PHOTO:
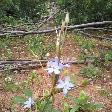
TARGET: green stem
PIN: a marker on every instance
(45, 105)
(36, 107)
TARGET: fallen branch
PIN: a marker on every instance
(24, 33)
(108, 29)
(12, 65)
(106, 37)
(27, 64)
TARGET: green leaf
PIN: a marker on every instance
(28, 92)
(66, 107)
(83, 95)
(77, 101)
(97, 106)
(85, 82)
(66, 104)
(18, 99)
(11, 87)
(74, 109)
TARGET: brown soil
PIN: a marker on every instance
(72, 51)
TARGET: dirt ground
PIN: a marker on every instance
(70, 51)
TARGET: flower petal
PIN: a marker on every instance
(65, 91)
(67, 79)
(32, 102)
(26, 106)
(50, 70)
(28, 103)
(71, 85)
(61, 66)
(56, 71)
(60, 84)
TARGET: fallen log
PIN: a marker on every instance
(24, 33)
(13, 65)
(19, 65)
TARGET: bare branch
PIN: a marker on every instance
(27, 64)
(106, 37)
(23, 33)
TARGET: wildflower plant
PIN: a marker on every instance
(28, 103)
(26, 100)
(65, 85)
(84, 104)
(54, 68)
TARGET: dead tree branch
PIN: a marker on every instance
(106, 37)
(24, 33)
(27, 64)
(12, 65)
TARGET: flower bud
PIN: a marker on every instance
(67, 18)
(63, 25)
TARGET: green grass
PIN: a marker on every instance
(91, 72)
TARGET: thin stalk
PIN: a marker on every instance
(45, 105)
(36, 107)
(58, 45)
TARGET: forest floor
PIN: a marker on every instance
(99, 89)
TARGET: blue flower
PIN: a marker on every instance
(65, 85)
(54, 65)
(28, 103)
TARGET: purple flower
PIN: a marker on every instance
(65, 85)
(54, 65)
(28, 103)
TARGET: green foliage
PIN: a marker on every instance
(108, 57)
(37, 46)
(85, 82)
(87, 44)
(45, 106)
(91, 72)
(5, 46)
(87, 47)
(9, 85)
(18, 9)
(18, 99)
(84, 104)
(27, 92)
(87, 10)
(21, 99)
(5, 42)
(84, 42)
(80, 11)
(32, 75)
(66, 107)
(104, 60)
